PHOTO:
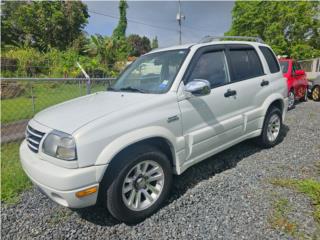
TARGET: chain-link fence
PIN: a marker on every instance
(22, 98)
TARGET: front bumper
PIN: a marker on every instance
(58, 183)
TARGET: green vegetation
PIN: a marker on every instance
(51, 46)
(120, 31)
(29, 62)
(43, 24)
(279, 219)
(154, 43)
(290, 27)
(309, 187)
(13, 179)
(46, 94)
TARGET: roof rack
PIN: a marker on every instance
(207, 39)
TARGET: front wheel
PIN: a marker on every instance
(141, 186)
(271, 130)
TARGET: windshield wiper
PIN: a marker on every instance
(131, 89)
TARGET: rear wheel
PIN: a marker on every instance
(141, 186)
(272, 127)
(291, 99)
(315, 94)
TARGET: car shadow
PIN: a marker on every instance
(190, 178)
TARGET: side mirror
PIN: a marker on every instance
(299, 72)
(198, 87)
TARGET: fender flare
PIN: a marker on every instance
(270, 100)
(124, 141)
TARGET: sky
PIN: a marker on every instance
(155, 18)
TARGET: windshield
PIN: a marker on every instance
(152, 73)
(284, 66)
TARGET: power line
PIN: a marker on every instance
(134, 21)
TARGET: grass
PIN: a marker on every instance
(46, 94)
(279, 219)
(13, 179)
(309, 187)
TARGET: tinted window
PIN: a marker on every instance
(245, 64)
(271, 59)
(211, 66)
(284, 66)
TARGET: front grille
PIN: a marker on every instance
(33, 138)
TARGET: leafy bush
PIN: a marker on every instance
(29, 62)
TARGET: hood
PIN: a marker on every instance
(71, 115)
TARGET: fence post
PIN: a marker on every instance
(88, 86)
(32, 99)
(87, 77)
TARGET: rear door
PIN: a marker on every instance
(300, 81)
(250, 83)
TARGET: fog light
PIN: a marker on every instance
(86, 192)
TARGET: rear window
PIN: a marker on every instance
(271, 59)
(284, 66)
(245, 64)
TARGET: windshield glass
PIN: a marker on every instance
(284, 66)
(152, 73)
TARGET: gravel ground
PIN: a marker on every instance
(228, 196)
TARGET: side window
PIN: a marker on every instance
(211, 66)
(271, 59)
(245, 64)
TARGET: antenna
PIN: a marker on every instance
(180, 17)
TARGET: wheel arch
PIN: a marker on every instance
(114, 165)
(278, 101)
(155, 136)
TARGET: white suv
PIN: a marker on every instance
(169, 110)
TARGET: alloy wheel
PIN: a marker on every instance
(291, 99)
(143, 185)
(273, 129)
(316, 93)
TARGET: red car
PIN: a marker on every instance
(296, 80)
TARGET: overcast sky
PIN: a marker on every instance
(202, 18)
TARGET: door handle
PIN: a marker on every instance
(230, 93)
(264, 83)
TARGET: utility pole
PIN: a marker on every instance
(180, 17)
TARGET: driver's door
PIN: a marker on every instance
(212, 120)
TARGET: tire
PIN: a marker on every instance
(291, 99)
(315, 94)
(123, 203)
(265, 140)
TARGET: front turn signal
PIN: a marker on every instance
(86, 192)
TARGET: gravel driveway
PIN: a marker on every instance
(228, 196)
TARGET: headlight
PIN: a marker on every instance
(60, 145)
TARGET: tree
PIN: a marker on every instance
(291, 28)
(154, 43)
(120, 30)
(109, 50)
(139, 45)
(43, 24)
